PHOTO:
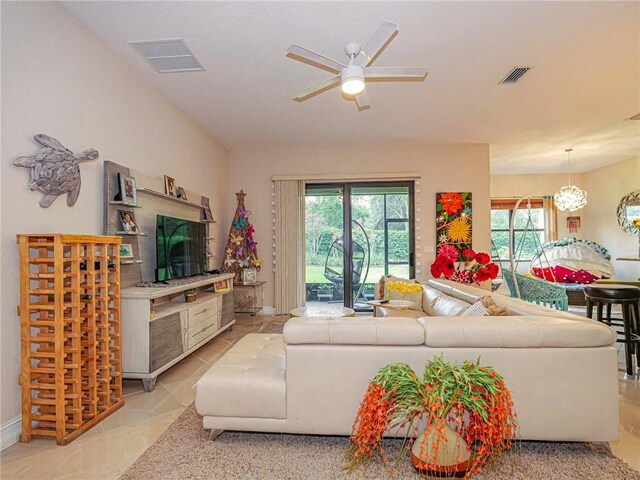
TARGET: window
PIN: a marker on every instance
(502, 210)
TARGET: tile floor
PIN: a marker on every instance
(107, 450)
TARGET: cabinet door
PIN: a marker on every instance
(228, 313)
(166, 340)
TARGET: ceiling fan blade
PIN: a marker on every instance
(362, 100)
(395, 72)
(315, 58)
(317, 88)
(376, 43)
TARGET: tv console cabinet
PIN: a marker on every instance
(159, 328)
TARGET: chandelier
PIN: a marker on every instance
(570, 197)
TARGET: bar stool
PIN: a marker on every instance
(628, 297)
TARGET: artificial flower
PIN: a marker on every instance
(250, 231)
(451, 202)
(448, 251)
(443, 238)
(244, 213)
(459, 230)
(241, 222)
(472, 270)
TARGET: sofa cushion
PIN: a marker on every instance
(387, 311)
(514, 332)
(486, 306)
(353, 331)
(410, 291)
(247, 381)
(437, 303)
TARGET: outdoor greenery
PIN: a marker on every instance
(324, 222)
(529, 240)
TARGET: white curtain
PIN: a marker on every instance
(289, 245)
(550, 218)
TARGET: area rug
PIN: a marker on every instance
(184, 451)
(273, 327)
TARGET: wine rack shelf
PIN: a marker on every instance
(71, 371)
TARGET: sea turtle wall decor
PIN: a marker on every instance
(55, 170)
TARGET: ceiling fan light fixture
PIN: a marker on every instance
(352, 79)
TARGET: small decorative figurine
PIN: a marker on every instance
(55, 170)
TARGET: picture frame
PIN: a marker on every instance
(128, 223)
(170, 186)
(205, 213)
(222, 286)
(249, 276)
(128, 193)
(180, 193)
(126, 250)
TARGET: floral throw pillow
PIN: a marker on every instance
(403, 290)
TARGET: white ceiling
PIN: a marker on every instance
(584, 83)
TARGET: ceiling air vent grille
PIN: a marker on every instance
(516, 74)
(168, 56)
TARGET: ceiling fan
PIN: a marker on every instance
(353, 74)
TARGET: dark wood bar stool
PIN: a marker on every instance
(628, 297)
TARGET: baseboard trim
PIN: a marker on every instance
(10, 432)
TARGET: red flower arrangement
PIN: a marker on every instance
(477, 267)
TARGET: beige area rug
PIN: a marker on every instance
(184, 451)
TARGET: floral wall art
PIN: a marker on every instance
(453, 222)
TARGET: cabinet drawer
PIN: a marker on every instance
(205, 309)
(199, 335)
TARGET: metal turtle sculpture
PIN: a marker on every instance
(55, 170)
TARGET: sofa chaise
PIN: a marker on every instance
(561, 368)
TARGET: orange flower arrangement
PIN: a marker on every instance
(471, 400)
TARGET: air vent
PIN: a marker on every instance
(635, 117)
(516, 74)
(168, 56)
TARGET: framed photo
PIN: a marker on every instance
(126, 250)
(222, 286)
(127, 221)
(169, 186)
(205, 213)
(181, 193)
(127, 189)
(249, 276)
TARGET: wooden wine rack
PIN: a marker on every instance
(71, 372)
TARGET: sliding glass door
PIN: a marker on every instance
(355, 233)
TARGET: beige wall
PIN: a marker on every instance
(443, 168)
(59, 79)
(517, 186)
(605, 187)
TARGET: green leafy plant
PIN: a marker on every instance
(471, 399)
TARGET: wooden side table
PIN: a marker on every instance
(249, 298)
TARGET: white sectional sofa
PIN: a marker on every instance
(561, 368)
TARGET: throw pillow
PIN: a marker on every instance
(563, 273)
(583, 277)
(401, 290)
(486, 306)
(546, 273)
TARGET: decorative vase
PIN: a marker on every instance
(190, 297)
(453, 456)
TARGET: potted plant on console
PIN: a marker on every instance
(466, 412)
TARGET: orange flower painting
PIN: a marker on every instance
(453, 221)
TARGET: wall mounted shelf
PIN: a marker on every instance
(155, 193)
(135, 234)
(125, 204)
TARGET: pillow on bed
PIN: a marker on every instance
(486, 306)
(563, 273)
(546, 273)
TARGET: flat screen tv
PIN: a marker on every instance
(180, 248)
